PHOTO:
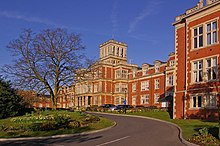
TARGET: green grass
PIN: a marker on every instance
(15, 131)
(189, 127)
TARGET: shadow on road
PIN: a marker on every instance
(52, 141)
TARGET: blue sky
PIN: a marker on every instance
(145, 25)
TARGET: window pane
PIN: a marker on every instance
(200, 64)
(213, 100)
(208, 27)
(214, 73)
(209, 74)
(214, 62)
(200, 41)
(199, 101)
(208, 62)
(200, 75)
(214, 37)
(195, 66)
(208, 38)
(194, 101)
(195, 32)
(195, 76)
(195, 42)
(200, 30)
(214, 25)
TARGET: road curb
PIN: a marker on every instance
(57, 136)
(187, 143)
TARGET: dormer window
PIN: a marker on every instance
(134, 74)
(144, 71)
(157, 68)
(172, 63)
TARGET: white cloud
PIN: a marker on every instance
(33, 19)
(16, 15)
(146, 38)
(150, 9)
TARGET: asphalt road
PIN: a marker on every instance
(129, 131)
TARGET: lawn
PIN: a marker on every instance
(47, 123)
(189, 127)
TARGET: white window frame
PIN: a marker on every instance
(121, 74)
(134, 87)
(211, 68)
(197, 73)
(144, 71)
(118, 74)
(211, 32)
(124, 74)
(119, 100)
(197, 37)
(145, 99)
(89, 88)
(124, 87)
(204, 70)
(170, 80)
(100, 72)
(172, 62)
(157, 83)
(117, 88)
(134, 74)
(95, 100)
(145, 85)
(156, 98)
(134, 100)
(121, 87)
(196, 102)
(157, 68)
(211, 101)
(95, 87)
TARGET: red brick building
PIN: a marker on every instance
(188, 81)
(34, 100)
(197, 52)
(113, 80)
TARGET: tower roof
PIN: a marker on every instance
(113, 41)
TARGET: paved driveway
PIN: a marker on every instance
(129, 131)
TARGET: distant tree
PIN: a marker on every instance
(11, 104)
(45, 61)
(29, 97)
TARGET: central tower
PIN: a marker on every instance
(113, 52)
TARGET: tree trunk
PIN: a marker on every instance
(54, 102)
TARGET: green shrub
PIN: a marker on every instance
(47, 126)
(62, 120)
(74, 124)
(35, 127)
(94, 118)
(204, 131)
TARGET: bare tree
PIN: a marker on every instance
(45, 61)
